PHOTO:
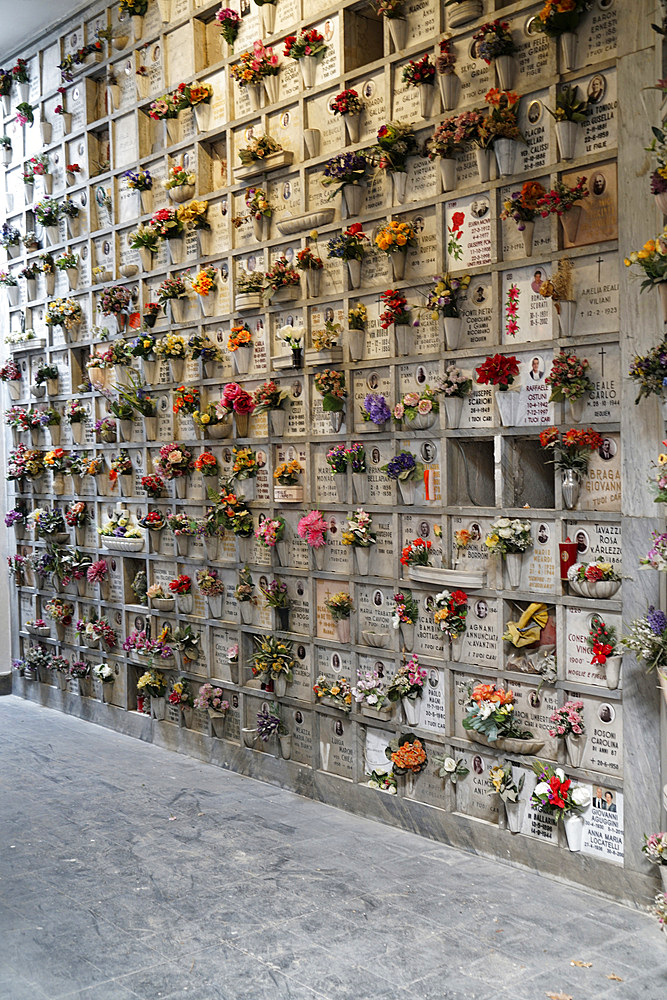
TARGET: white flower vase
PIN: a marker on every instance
(185, 602)
(180, 487)
(242, 357)
(568, 51)
(453, 329)
(353, 196)
(246, 610)
(448, 172)
(267, 15)
(313, 279)
(505, 151)
(576, 408)
(352, 127)
(411, 709)
(574, 748)
(398, 32)
(312, 138)
(566, 136)
(449, 90)
(566, 317)
(272, 88)
(52, 235)
(513, 815)
(456, 648)
(570, 223)
(484, 158)
(261, 228)
(427, 100)
(202, 116)
(612, 669)
(277, 422)
(343, 630)
(176, 250)
(356, 343)
(177, 367)
(318, 557)
(513, 563)
(254, 92)
(404, 338)
(362, 558)
(407, 489)
(505, 70)
(506, 403)
(399, 180)
(360, 485)
(453, 410)
(354, 273)
(574, 831)
(398, 260)
(215, 605)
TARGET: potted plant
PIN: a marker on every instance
(340, 606)
(396, 143)
(510, 537)
(420, 73)
(568, 724)
(455, 386)
(569, 115)
(336, 459)
(448, 141)
(312, 527)
(647, 638)
(501, 370)
(570, 456)
(307, 47)
(560, 288)
(229, 22)
(350, 246)
(260, 211)
(273, 660)
(212, 701)
(282, 280)
(561, 20)
(501, 780)
(490, 720)
(270, 398)
(360, 536)
(184, 528)
(357, 318)
(569, 380)
(153, 685)
(563, 201)
(349, 105)
(556, 796)
(450, 610)
(180, 184)
(374, 411)
(331, 386)
(407, 685)
(493, 43)
(417, 409)
(448, 81)
(249, 289)
(394, 239)
(393, 11)
(371, 695)
(346, 174)
(521, 206)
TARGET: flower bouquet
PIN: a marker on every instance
(522, 208)
(350, 246)
(510, 537)
(563, 201)
(568, 724)
(493, 43)
(606, 649)
(556, 796)
(501, 370)
(349, 105)
(416, 553)
(396, 143)
(396, 312)
(408, 756)
(560, 288)
(508, 790)
(374, 410)
(394, 13)
(340, 606)
(570, 456)
(407, 685)
(334, 694)
(560, 19)
(360, 536)
(454, 386)
(370, 694)
(270, 533)
(274, 661)
(307, 47)
(168, 226)
(346, 173)
(312, 527)
(283, 280)
(407, 472)
(236, 400)
(449, 614)
(331, 386)
(211, 700)
(417, 409)
(598, 580)
(569, 380)
(229, 22)
(394, 239)
(421, 73)
(286, 477)
(175, 464)
(489, 719)
(405, 617)
(180, 184)
(257, 69)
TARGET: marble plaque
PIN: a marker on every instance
(601, 489)
(599, 211)
(513, 246)
(604, 725)
(578, 666)
(527, 316)
(603, 832)
(596, 292)
(468, 222)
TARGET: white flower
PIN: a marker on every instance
(581, 796)
(560, 773)
(395, 621)
(505, 532)
(450, 764)
(372, 699)
(542, 788)
(486, 709)
(391, 790)
(373, 784)
(503, 522)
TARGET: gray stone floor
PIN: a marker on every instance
(130, 872)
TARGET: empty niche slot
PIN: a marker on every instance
(530, 480)
(471, 473)
(364, 38)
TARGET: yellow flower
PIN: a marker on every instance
(491, 540)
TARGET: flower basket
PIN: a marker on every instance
(182, 193)
(508, 744)
(288, 494)
(383, 713)
(378, 640)
(248, 301)
(122, 544)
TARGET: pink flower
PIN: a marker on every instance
(424, 406)
(399, 410)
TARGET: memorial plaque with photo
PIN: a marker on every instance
(603, 721)
(473, 792)
(432, 705)
(527, 315)
(476, 77)
(603, 832)
(579, 667)
(429, 453)
(422, 259)
(599, 211)
(601, 488)
(597, 33)
(300, 725)
(468, 222)
(336, 664)
(371, 89)
(533, 407)
(374, 609)
(325, 589)
(513, 243)
(422, 16)
(337, 744)
(542, 560)
(535, 823)
(533, 712)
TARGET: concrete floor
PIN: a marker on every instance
(131, 872)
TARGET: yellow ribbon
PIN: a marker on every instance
(527, 630)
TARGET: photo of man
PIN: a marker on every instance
(536, 369)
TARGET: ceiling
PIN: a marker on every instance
(24, 20)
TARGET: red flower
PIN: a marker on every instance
(243, 402)
(458, 219)
(459, 597)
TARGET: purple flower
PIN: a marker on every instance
(376, 408)
(657, 620)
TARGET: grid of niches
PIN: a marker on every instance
(211, 155)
